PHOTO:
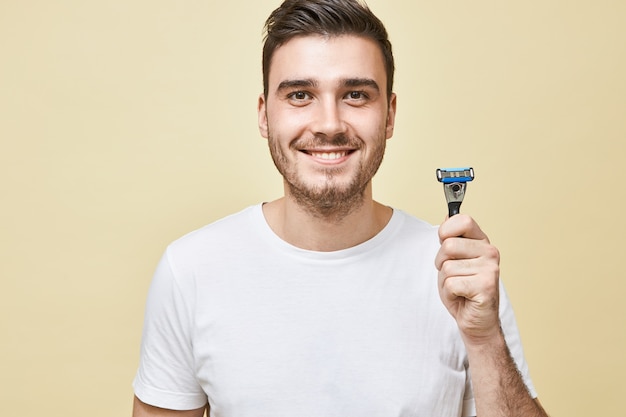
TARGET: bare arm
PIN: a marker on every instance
(141, 409)
(499, 389)
(469, 288)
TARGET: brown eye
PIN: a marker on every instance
(357, 95)
(299, 95)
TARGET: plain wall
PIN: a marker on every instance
(126, 124)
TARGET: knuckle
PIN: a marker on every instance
(449, 246)
(493, 253)
(446, 268)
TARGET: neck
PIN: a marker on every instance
(326, 230)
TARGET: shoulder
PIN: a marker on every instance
(413, 221)
(223, 235)
(413, 229)
(229, 226)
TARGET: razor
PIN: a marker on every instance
(454, 185)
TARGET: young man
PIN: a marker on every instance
(326, 302)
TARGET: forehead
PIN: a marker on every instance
(327, 59)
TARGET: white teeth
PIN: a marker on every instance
(329, 155)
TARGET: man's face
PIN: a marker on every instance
(327, 118)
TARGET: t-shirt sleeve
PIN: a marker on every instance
(514, 343)
(166, 376)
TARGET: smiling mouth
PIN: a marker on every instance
(329, 156)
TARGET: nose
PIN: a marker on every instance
(328, 119)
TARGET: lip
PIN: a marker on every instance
(329, 156)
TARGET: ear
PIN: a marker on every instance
(391, 116)
(262, 115)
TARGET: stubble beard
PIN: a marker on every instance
(331, 201)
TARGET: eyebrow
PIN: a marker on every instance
(297, 83)
(361, 82)
(311, 83)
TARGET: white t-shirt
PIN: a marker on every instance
(264, 329)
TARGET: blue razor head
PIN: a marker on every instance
(450, 175)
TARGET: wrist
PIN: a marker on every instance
(490, 341)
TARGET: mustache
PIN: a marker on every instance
(319, 140)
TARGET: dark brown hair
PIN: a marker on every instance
(326, 18)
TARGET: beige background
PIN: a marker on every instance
(125, 124)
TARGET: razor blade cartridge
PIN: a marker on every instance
(450, 175)
(454, 185)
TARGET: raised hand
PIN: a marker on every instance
(469, 270)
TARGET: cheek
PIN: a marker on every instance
(368, 122)
(286, 125)
(372, 130)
